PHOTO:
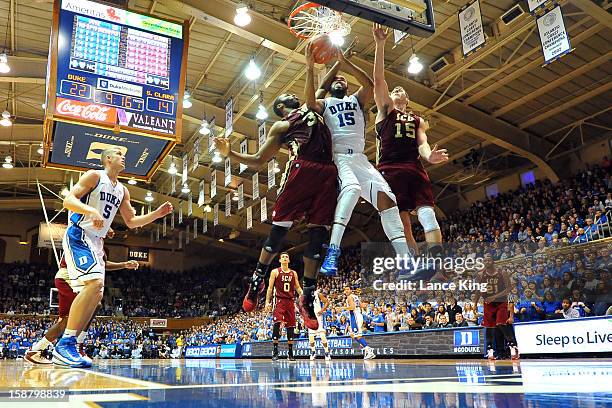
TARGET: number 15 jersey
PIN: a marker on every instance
(396, 138)
(106, 198)
(346, 122)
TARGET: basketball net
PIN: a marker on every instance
(311, 19)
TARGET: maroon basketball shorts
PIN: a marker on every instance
(284, 312)
(495, 313)
(66, 296)
(308, 189)
(410, 184)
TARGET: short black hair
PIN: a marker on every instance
(283, 253)
(277, 110)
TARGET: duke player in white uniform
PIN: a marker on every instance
(92, 204)
(353, 306)
(345, 117)
(320, 304)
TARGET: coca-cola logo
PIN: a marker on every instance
(92, 112)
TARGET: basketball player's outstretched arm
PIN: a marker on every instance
(85, 185)
(365, 93)
(114, 266)
(333, 71)
(434, 155)
(312, 102)
(271, 146)
(134, 221)
(381, 90)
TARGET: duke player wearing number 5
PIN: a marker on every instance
(92, 204)
(401, 139)
(344, 115)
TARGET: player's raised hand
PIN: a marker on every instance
(164, 209)
(223, 145)
(96, 219)
(132, 264)
(380, 33)
(438, 156)
(309, 55)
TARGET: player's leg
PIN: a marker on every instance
(433, 233)
(275, 337)
(317, 236)
(312, 344)
(350, 191)
(507, 329)
(489, 322)
(405, 216)
(271, 248)
(325, 345)
(290, 335)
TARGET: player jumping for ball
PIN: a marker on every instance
(308, 189)
(401, 139)
(92, 203)
(283, 285)
(344, 115)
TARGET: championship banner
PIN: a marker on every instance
(585, 335)
(187, 235)
(211, 143)
(244, 149)
(213, 183)
(229, 117)
(189, 205)
(201, 197)
(536, 5)
(249, 212)
(138, 254)
(157, 234)
(185, 169)
(255, 181)
(470, 24)
(51, 235)
(553, 37)
(180, 240)
(164, 226)
(228, 205)
(264, 209)
(180, 218)
(195, 228)
(205, 225)
(216, 215)
(262, 134)
(196, 154)
(172, 183)
(172, 220)
(271, 177)
(241, 196)
(228, 172)
(158, 323)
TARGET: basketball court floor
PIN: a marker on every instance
(339, 383)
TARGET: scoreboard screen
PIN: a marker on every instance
(120, 68)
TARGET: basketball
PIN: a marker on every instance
(322, 49)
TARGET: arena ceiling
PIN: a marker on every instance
(501, 101)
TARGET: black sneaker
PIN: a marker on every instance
(290, 357)
(256, 290)
(274, 357)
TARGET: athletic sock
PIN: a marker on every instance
(362, 341)
(81, 337)
(69, 333)
(41, 344)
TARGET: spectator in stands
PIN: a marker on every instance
(460, 321)
(441, 312)
(429, 323)
(529, 308)
(378, 321)
(567, 311)
(470, 315)
(550, 305)
(444, 323)
(452, 309)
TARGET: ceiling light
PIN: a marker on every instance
(187, 100)
(205, 129)
(207, 208)
(414, 65)
(337, 38)
(132, 181)
(252, 71)
(262, 113)
(6, 119)
(149, 197)
(23, 242)
(40, 149)
(235, 196)
(4, 66)
(242, 16)
(185, 189)
(172, 169)
(8, 162)
(220, 239)
(217, 157)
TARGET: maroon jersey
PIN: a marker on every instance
(284, 284)
(396, 138)
(308, 137)
(496, 284)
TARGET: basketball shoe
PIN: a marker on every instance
(67, 355)
(307, 312)
(256, 290)
(36, 357)
(330, 263)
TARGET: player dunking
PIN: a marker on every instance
(66, 295)
(497, 315)
(353, 306)
(401, 139)
(320, 306)
(92, 204)
(308, 189)
(283, 285)
(344, 114)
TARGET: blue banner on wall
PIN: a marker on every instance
(81, 146)
(201, 352)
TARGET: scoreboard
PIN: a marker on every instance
(117, 71)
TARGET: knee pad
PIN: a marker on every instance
(274, 242)
(427, 218)
(317, 236)
(276, 331)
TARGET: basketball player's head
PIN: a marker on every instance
(399, 97)
(347, 290)
(113, 158)
(285, 103)
(339, 87)
(284, 259)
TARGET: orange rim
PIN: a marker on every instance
(295, 12)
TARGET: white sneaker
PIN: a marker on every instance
(313, 357)
(514, 353)
(491, 355)
(36, 357)
(328, 357)
(368, 353)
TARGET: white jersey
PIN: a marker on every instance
(346, 122)
(357, 311)
(317, 306)
(106, 198)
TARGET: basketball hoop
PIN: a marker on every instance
(311, 19)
